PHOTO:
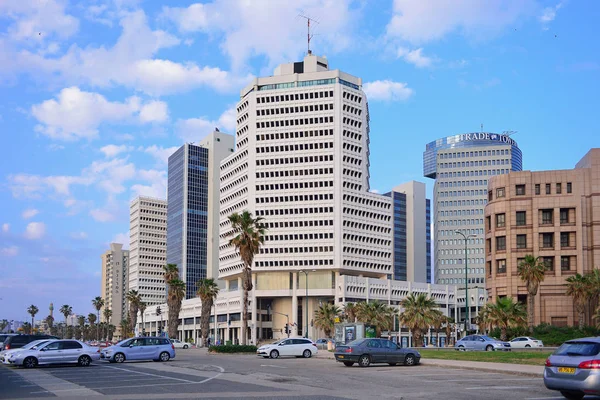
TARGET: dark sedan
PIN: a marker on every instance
(372, 351)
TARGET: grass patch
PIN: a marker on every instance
(508, 357)
(232, 348)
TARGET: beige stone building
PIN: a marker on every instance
(551, 214)
(113, 286)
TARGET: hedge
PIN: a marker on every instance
(549, 334)
(232, 348)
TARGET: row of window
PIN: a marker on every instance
(282, 199)
(567, 241)
(155, 205)
(458, 213)
(300, 236)
(365, 227)
(292, 250)
(478, 182)
(365, 201)
(293, 263)
(455, 271)
(461, 222)
(458, 281)
(366, 239)
(465, 231)
(459, 261)
(462, 193)
(294, 110)
(295, 147)
(293, 185)
(295, 160)
(461, 251)
(457, 242)
(462, 203)
(294, 96)
(546, 217)
(520, 190)
(480, 153)
(295, 172)
(294, 135)
(566, 264)
(294, 122)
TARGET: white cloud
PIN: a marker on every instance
(79, 235)
(161, 154)
(374, 191)
(10, 251)
(112, 150)
(5, 227)
(387, 90)
(29, 213)
(549, 14)
(157, 187)
(35, 230)
(195, 129)
(76, 114)
(35, 20)
(428, 20)
(415, 57)
(247, 30)
(32, 186)
(122, 238)
(111, 174)
(102, 215)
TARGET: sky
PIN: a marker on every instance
(95, 95)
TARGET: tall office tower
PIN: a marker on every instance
(114, 282)
(461, 166)
(302, 164)
(148, 248)
(193, 208)
(412, 233)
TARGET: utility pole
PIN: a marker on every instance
(308, 35)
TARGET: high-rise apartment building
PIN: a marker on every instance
(114, 285)
(461, 166)
(193, 208)
(148, 248)
(411, 233)
(554, 215)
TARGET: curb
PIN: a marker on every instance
(431, 362)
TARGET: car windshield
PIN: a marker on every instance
(578, 349)
(33, 345)
(488, 339)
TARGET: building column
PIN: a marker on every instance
(294, 319)
(254, 318)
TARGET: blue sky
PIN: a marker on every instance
(95, 96)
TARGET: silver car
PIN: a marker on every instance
(574, 368)
(55, 352)
(481, 342)
(140, 348)
(29, 346)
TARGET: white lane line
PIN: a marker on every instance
(273, 366)
(154, 375)
(545, 398)
(498, 387)
(475, 379)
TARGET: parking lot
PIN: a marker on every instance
(196, 374)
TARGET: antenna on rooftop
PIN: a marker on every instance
(509, 133)
(308, 35)
(481, 127)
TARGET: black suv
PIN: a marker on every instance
(18, 341)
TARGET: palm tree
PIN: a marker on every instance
(66, 310)
(505, 313)
(81, 322)
(531, 271)
(27, 328)
(207, 291)
(32, 310)
(418, 314)
(134, 299)
(3, 324)
(438, 321)
(449, 322)
(350, 310)
(92, 321)
(171, 272)
(249, 236)
(107, 315)
(578, 288)
(49, 322)
(325, 317)
(142, 306)
(98, 303)
(174, 299)
(124, 324)
(375, 313)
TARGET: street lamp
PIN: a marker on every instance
(467, 311)
(306, 273)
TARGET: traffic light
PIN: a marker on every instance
(287, 330)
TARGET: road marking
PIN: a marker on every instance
(545, 398)
(154, 375)
(273, 366)
(476, 379)
(498, 387)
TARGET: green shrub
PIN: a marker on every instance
(190, 340)
(552, 336)
(232, 348)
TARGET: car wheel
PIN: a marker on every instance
(30, 362)
(119, 357)
(392, 364)
(84, 361)
(348, 363)
(274, 354)
(364, 361)
(410, 360)
(460, 348)
(572, 395)
(489, 347)
(307, 353)
(164, 356)
(527, 345)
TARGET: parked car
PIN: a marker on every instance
(298, 347)
(524, 342)
(18, 341)
(574, 368)
(55, 352)
(140, 348)
(179, 344)
(372, 351)
(5, 353)
(481, 342)
(3, 337)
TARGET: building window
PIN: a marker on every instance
(537, 188)
(488, 245)
(547, 188)
(500, 220)
(567, 239)
(565, 213)
(501, 243)
(547, 217)
(521, 218)
(489, 268)
(549, 263)
(520, 261)
(521, 241)
(565, 263)
(558, 188)
(488, 223)
(520, 190)
(501, 266)
(500, 192)
(548, 240)
(569, 187)
(489, 195)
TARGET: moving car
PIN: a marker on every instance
(298, 347)
(140, 348)
(55, 352)
(179, 344)
(5, 353)
(524, 342)
(371, 351)
(574, 368)
(481, 342)
(18, 341)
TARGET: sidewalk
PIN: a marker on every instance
(505, 368)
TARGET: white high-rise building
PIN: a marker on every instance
(113, 287)
(148, 248)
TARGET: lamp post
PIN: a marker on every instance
(467, 311)
(306, 274)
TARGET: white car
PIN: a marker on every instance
(179, 344)
(523, 342)
(56, 352)
(33, 345)
(296, 347)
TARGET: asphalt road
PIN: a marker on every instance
(195, 374)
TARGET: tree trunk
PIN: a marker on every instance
(416, 337)
(581, 318)
(174, 308)
(205, 321)
(247, 286)
(530, 311)
(133, 318)
(503, 333)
